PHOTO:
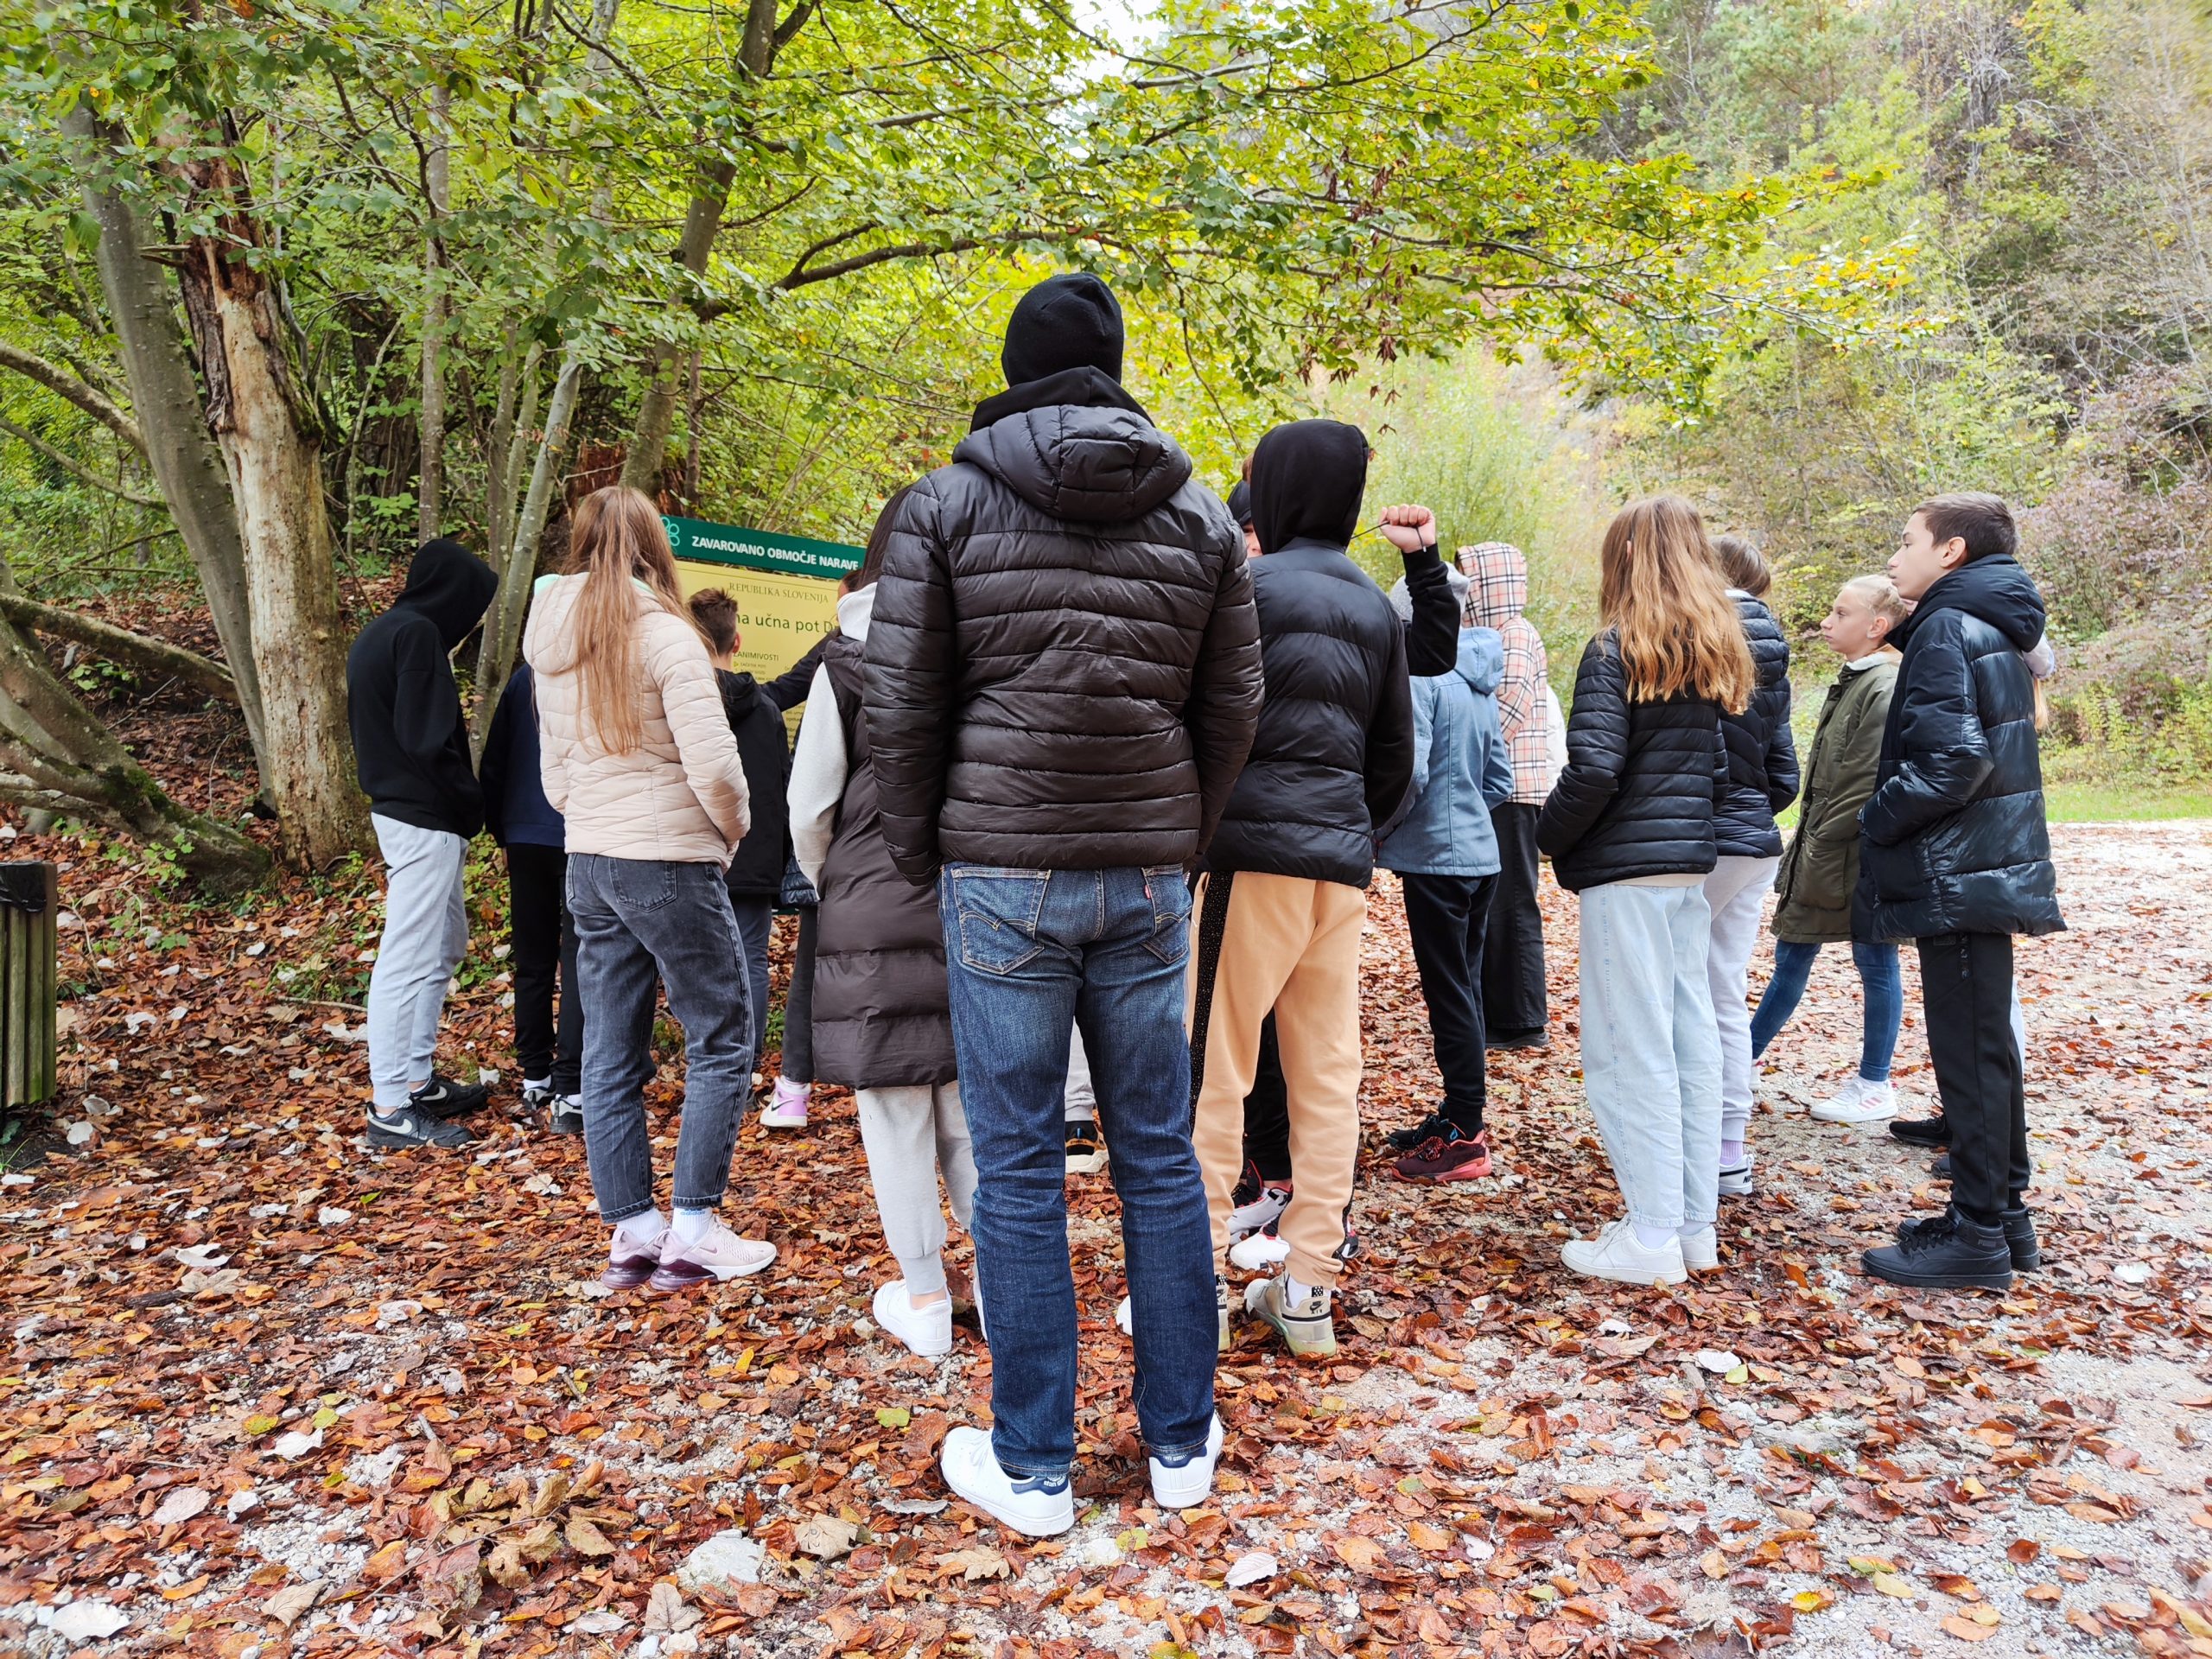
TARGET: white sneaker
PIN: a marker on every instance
(1859, 1102)
(1736, 1179)
(1260, 1252)
(1122, 1318)
(1263, 1211)
(1187, 1485)
(925, 1331)
(1616, 1254)
(1036, 1507)
(717, 1254)
(1124, 1321)
(786, 1107)
(1700, 1250)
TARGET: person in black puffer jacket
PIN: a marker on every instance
(1956, 856)
(1062, 681)
(1286, 892)
(1762, 780)
(755, 876)
(1632, 827)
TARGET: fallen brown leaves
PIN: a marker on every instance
(263, 1388)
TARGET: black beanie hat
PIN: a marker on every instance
(1240, 505)
(1070, 321)
(1307, 480)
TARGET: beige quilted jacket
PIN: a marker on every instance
(679, 797)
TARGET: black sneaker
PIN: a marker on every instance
(1429, 1128)
(443, 1097)
(2019, 1236)
(1533, 1038)
(537, 1096)
(1945, 1252)
(1086, 1153)
(410, 1126)
(1941, 1169)
(1922, 1131)
(566, 1116)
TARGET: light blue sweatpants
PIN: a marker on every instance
(425, 935)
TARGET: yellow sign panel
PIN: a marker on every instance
(778, 617)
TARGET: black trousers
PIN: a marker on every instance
(544, 943)
(1447, 917)
(1267, 1111)
(797, 1061)
(1966, 988)
(1513, 947)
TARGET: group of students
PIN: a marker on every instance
(1097, 769)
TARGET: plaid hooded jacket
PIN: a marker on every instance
(1497, 596)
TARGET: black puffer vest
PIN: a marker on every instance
(882, 1014)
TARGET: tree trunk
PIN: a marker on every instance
(138, 651)
(430, 493)
(657, 412)
(179, 449)
(55, 757)
(495, 657)
(271, 441)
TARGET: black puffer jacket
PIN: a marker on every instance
(1064, 667)
(1334, 756)
(1762, 753)
(1953, 839)
(1643, 782)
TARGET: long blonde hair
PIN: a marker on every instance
(617, 540)
(1660, 591)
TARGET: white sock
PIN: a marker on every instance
(1690, 1229)
(1294, 1293)
(691, 1224)
(644, 1229)
(1652, 1239)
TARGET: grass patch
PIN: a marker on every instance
(2071, 802)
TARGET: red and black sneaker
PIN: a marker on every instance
(1453, 1155)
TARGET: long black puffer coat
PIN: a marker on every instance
(1334, 757)
(1642, 785)
(882, 1015)
(1953, 839)
(1762, 753)
(1063, 667)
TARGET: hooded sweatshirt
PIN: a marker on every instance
(1953, 839)
(1500, 574)
(410, 745)
(1063, 670)
(1460, 770)
(1334, 754)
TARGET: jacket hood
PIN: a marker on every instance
(450, 585)
(1995, 588)
(1090, 463)
(1307, 480)
(1482, 659)
(854, 611)
(1500, 573)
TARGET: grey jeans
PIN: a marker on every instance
(913, 1135)
(425, 935)
(639, 921)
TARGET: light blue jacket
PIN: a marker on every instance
(1460, 768)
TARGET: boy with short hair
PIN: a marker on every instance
(755, 876)
(1956, 856)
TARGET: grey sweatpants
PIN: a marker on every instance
(425, 935)
(912, 1134)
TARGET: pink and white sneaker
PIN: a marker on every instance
(716, 1254)
(631, 1259)
(786, 1107)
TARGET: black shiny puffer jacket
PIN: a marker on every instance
(1762, 753)
(1063, 671)
(1953, 840)
(1643, 785)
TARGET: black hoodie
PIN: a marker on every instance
(409, 743)
(1953, 839)
(1062, 668)
(1334, 755)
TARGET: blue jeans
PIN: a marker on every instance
(1878, 984)
(755, 913)
(1029, 953)
(640, 922)
(1651, 1049)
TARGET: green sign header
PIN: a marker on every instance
(761, 550)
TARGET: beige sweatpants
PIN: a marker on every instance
(1291, 944)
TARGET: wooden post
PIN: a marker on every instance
(29, 898)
